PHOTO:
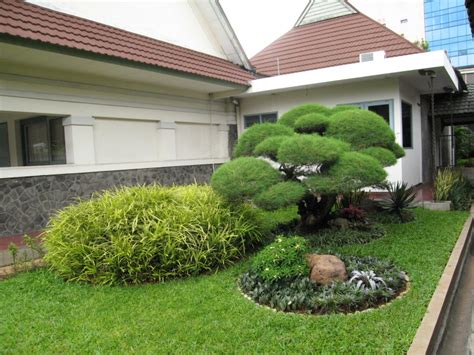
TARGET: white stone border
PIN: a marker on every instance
(431, 330)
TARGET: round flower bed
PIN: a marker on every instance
(283, 283)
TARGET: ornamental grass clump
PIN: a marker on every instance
(140, 234)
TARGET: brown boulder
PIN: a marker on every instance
(326, 268)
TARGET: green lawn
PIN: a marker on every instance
(41, 313)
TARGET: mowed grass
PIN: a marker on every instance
(40, 313)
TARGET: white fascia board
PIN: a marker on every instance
(389, 67)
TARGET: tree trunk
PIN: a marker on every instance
(315, 212)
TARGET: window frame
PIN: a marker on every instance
(260, 115)
(34, 120)
(9, 163)
(411, 125)
(365, 104)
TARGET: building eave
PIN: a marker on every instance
(395, 67)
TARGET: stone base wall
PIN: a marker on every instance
(27, 203)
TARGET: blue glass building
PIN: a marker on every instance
(447, 27)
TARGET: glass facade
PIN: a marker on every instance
(447, 28)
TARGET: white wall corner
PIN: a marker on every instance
(79, 137)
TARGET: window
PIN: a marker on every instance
(250, 120)
(43, 141)
(407, 129)
(383, 108)
(4, 145)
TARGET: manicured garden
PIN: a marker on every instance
(283, 252)
(43, 313)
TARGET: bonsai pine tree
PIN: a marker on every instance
(308, 158)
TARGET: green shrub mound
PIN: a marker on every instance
(384, 156)
(343, 108)
(243, 178)
(145, 234)
(269, 147)
(290, 117)
(327, 154)
(308, 149)
(355, 170)
(361, 128)
(397, 150)
(312, 123)
(280, 195)
(257, 134)
(299, 294)
(284, 258)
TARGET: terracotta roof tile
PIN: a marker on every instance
(28, 21)
(328, 43)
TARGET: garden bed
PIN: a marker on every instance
(42, 313)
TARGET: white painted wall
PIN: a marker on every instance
(411, 163)
(124, 126)
(373, 90)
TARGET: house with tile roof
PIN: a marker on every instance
(85, 106)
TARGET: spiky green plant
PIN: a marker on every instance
(400, 199)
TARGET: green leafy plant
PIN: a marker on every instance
(364, 280)
(461, 194)
(353, 198)
(464, 139)
(13, 250)
(152, 233)
(283, 258)
(444, 182)
(400, 199)
(468, 163)
(327, 152)
(380, 281)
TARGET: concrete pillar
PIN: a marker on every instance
(222, 148)
(166, 140)
(79, 137)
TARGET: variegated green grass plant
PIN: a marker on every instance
(141, 234)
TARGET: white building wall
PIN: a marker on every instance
(373, 90)
(125, 125)
(411, 163)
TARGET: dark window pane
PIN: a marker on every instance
(58, 146)
(381, 110)
(407, 126)
(35, 133)
(4, 149)
(251, 120)
(269, 117)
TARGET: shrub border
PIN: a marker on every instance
(430, 333)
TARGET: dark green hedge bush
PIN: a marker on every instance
(148, 234)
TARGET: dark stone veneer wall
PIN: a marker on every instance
(27, 203)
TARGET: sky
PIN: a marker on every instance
(257, 23)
